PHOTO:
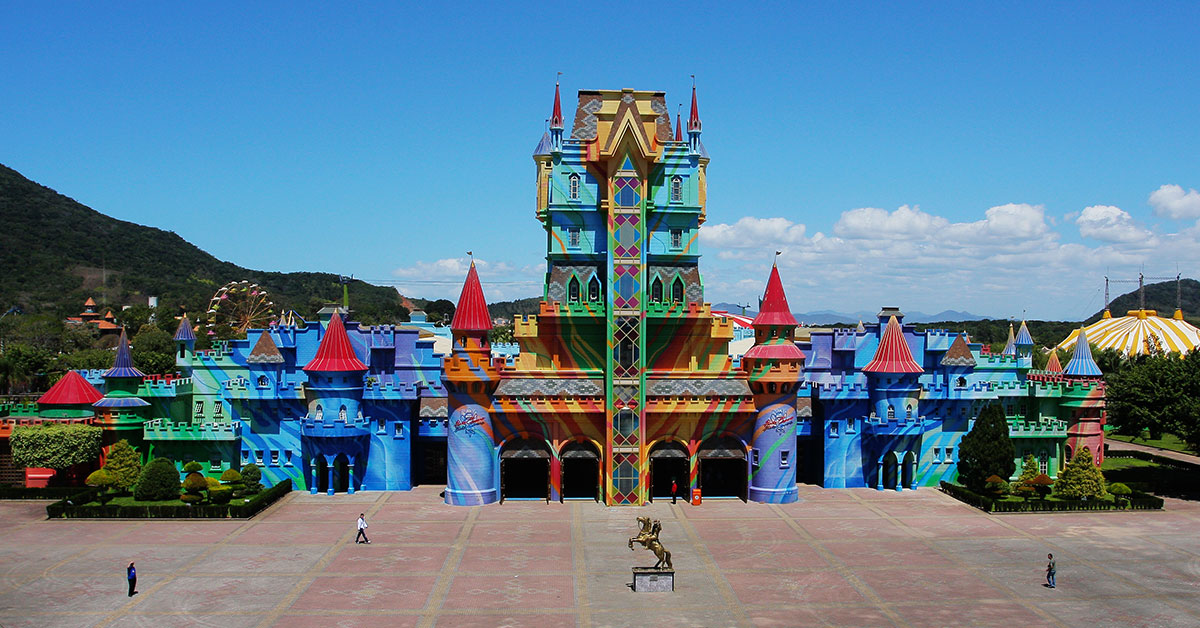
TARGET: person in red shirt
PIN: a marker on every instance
(674, 490)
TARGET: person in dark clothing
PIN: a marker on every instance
(131, 575)
(1051, 570)
(674, 490)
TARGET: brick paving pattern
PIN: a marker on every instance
(853, 557)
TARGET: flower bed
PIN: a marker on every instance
(1136, 501)
(78, 506)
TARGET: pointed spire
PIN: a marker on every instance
(265, 351)
(1082, 364)
(1010, 347)
(184, 331)
(694, 120)
(1024, 338)
(471, 313)
(1053, 365)
(860, 327)
(959, 353)
(334, 354)
(893, 354)
(774, 308)
(679, 123)
(89, 303)
(70, 390)
(123, 364)
(556, 117)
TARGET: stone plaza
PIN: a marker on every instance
(854, 557)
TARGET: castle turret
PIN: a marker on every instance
(1023, 347)
(958, 362)
(1010, 346)
(556, 123)
(185, 346)
(1083, 398)
(335, 424)
(894, 393)
(694, 127)
(774, 366)
(121, 412)
(470, 379)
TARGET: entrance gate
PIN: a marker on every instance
(669, 461)
(525, 470)
(581, 471)
(723, 470)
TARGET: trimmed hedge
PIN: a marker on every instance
(238, 510)
(1137, 501)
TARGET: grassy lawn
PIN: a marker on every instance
(1168, 441)
(1120, 464)
(128, 500)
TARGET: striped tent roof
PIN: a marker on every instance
(893, 354)
(1024, 338)
(1053, 365)
(1137, 331)
(1010, 347)
(184, 331)
(1082, 364)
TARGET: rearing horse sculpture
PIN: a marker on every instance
(648, 538)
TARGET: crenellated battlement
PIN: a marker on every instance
(462, 369)
(1050, 428)
(165, 429)
(525, 326)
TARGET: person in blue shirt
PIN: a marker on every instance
(131, 575)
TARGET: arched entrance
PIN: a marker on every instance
(580, 471)
(341, 474)
(889, 471)
(723, 471)
(431, 457)
(525, 469)
(908, 471)
(320, 469)
(668, 461)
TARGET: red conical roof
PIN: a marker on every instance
(335, 353)
(893, 354)
(774, 309)
(694, 120)
(471, 313)
(1053, 365)
(678, 126)
(71, 389)
(556, 119)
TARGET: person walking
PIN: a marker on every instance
(362, 529)
(131, 575)
(674, 490)
(1050, 570)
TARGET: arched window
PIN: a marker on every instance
(573, 190)
(891, 412)
(594, 289)
(677, 290)
(961, 382)
(342, 414)
(676, 189)
(263, 382)
(573, 290)
(320, 413)
(908, 412)
(656, 290)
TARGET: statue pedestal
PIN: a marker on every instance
(653, 580)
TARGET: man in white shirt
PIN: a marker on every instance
(362, 529)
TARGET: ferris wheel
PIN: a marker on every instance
(239, 306)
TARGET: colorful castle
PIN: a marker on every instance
(622, 384)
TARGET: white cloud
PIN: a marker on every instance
(751, 232)
(1171, 201)
(1111, 224)
(872, 223)
(443, 279)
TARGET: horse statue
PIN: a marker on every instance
(648, 538)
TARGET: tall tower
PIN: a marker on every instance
(121, 412)
(470, 379)
(1083, 398)
(336, 425)
(185, 346)
(775, 367)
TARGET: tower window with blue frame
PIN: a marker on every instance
(594, 289)
(574, 237)
(677, 238)
(676, 189)
(573, 187)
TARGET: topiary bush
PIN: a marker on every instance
(231, 476)
(193, 467)
(1081, 479)
(195, 485)
(220, 494)
(102, 480)
(159, 481)
(252, 478)
(1121, 492)
(189, 498)
(212, 482)
(996, 486)
(124, 464)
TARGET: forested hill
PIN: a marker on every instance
(54, 252)
(1159, 296)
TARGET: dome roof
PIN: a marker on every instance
(1130, 334)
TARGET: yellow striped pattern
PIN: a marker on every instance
(1131, 334)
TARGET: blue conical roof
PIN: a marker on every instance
(123, 365)
(1010, 347)
(544, 146)
(185, 330)
(1024, 339)
(1082, 364)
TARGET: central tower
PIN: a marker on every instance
(622, 201)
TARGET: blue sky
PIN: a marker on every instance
(933, 156)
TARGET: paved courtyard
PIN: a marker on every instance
(836, 558)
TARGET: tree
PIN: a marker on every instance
(251, 477)
(159, 481)
(986, 450)
(501, 333)
(1029, 470)
(153, 350)
(102, 480)
(124, 464)
(440, 311)
(193, 467)
(55, 445)
(1081, 478)
(194, 484)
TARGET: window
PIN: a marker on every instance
(218, 409)
(287, 457)
(214, 464)
(785, 458)
(574, 237)
(937, 454)
(199, 408)
(908, 412)
(677, 238)
(676, 189)
(573, 290)
(626, 422)
(949, 455)
(342, 414)
(1043, 461)
(891, 412)
(275, 457)
(258, 458)
(833, 431)
(245, 457)
(961, 382)
(677, 290)
(594, 289)
(850, 424)
(656, 291)
(380, 426)
(320, 413)
(573, 190)
(263, 382)
(754, 456)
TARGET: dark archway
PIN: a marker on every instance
(341, 474)
(669, 461)
(431, 457)
(890, 465)
(908, 471)
(525, 469)
(321, 471)
(723, 472)
(580, 471)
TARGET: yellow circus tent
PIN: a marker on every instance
(1137, 331)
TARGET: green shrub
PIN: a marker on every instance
(220, 494)
(159, 481)
(55, 445)
(1081, 479)
(102, 480)
(193, 467)
(212, 482)
(252, 477)
(191, 498)
(231, 476)
(1119, 489)
(195, 484)
(996, 486)
(124, 464)
(986, 450)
